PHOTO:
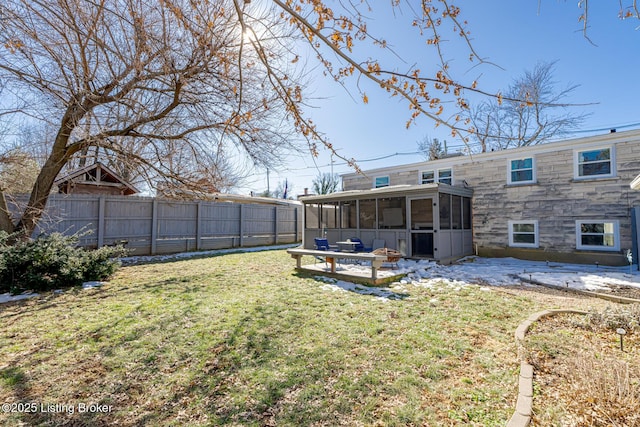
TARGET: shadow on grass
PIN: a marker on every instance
(332, 284)
(253, 376)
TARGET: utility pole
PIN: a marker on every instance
(268, 188)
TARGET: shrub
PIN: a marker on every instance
(51, 262)
(613, 317)
(101, 263)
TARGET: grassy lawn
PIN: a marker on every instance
(241, 339)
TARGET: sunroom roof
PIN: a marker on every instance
(394, 190)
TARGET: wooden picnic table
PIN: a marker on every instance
(331, 256)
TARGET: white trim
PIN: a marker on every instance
(449, 177)
(433, 171)
(612, 162)
(436, 175)
(533, 179)
(375, 181)
(635, 184)
(536, 234)
(615, 233)
(584, 143)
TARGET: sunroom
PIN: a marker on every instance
(431, 221)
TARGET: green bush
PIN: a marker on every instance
(52, 262)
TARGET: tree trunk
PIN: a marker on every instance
(59, 156)
(5, 219)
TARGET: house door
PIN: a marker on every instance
(422, 225)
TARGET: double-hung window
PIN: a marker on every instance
(594, 163)
(522, 171)
(444, 176)
(523, 234)
(598, 235)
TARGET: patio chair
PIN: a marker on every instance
(322, 244)
(359, 247)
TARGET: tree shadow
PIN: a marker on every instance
(329, 283)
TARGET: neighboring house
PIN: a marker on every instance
(562, 201)
(94, 179)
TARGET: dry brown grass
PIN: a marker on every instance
(581, 376)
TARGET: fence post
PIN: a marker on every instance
(241, 218)
(275, 225)
(154, 227)
(101, 204)
(199, 226)
(295, 218)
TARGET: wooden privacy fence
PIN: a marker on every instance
(159, 226)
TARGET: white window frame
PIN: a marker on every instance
(616, 235)
(536, 234)
(436, 175)
(533, 179)
(449, 177)
(375, 181)
(612, 161)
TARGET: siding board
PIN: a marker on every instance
(557, 200)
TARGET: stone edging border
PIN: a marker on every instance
(522, 415)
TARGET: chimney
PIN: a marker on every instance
(306, 191)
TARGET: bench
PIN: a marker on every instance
(331, 256)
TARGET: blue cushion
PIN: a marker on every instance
(322, 244)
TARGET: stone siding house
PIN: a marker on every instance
(564, 201)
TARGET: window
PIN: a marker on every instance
(456, 212)
(523, 234)
(392, 213)
(348, 217)
(444, 176)
(597, 163)
(329, 217)
(444, 205)
(466, 213)
(381, 181)
(598, 235)
(427, 177)
(312, 215)
(367, 214)
(521, 171)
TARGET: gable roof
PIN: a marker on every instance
(104, 176)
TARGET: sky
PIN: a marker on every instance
(513, 35)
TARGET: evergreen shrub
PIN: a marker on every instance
(52, 262)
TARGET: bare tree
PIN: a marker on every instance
(532, 112)
(628, 9)
(431, 148)
(326, 183)
(159, 87)
(284, 190)
(18, 172)
(144, 82)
